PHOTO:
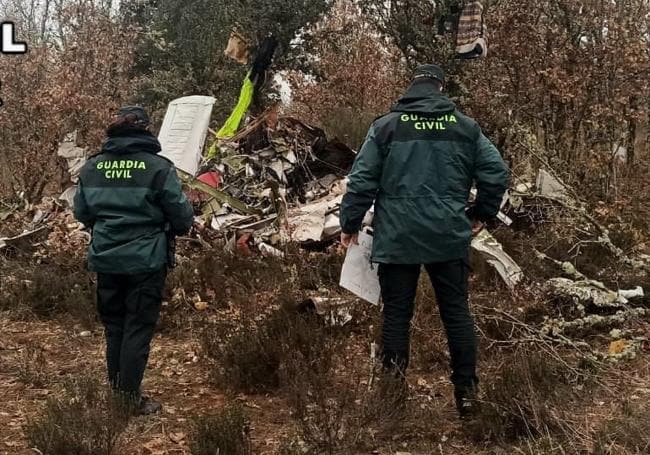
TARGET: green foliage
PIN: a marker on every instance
(421, 30)
(182, 50)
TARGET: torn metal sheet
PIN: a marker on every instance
(332, 226)
(75, 156)
(184, 129)
(492, 251)
(308, 223)
(636, 293)
(585, 292)
(219, 195)
(548, 185)
(308, 227)
(224, 222)
(68, 196)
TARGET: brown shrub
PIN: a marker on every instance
(249, 354)
(87, 420)
(32, 367)
(629, 433)
(52, 289)
(531, 398)
(227, 432)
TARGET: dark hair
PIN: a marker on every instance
(433, 83)
(123, 123)
(123, 120)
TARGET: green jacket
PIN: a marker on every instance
(129, 195)
(418, 165)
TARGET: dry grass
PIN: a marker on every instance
(32, 367)
(86, 420)
(227, 432)
(52, 289)
(627, 433)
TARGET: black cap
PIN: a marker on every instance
(431, 71)
(141, 116)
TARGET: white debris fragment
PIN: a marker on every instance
(332, 225)
(336, 311)
(492, 251)
(268, 250)
(68, 196)
(184, 130)
(547, 185)
(586, 291)
(310, 223)
(632, 293)
(75, 156)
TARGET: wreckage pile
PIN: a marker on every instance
(279, 180)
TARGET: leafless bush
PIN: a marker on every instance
(49, 290)
(32, 367)
(87, 420)
(249, 356)
(628, 433)
(226, 433)
(340, 402)
(531, 398)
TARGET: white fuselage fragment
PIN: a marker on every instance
(183, 132)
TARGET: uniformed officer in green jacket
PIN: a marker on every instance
(132, 199)
(418, 165)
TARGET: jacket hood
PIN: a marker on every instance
(131, 141)
(422, 99)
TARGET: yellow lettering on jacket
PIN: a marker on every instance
(120, 169)
(428, 123)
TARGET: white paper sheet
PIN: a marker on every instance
(359, 275)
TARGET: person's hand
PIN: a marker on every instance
(477, 227)
(349, 239)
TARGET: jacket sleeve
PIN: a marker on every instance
(363, 184)
(491, 177)
(177, 209)
(81, 209)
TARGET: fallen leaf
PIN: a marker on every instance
(200, 306)
(617, 347)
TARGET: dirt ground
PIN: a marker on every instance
(177, 377)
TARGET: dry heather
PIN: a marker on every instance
(86, 419)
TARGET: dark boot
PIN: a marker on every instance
(148, 406)
(466, 403)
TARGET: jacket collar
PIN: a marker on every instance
(423, 99)
(130, 140)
